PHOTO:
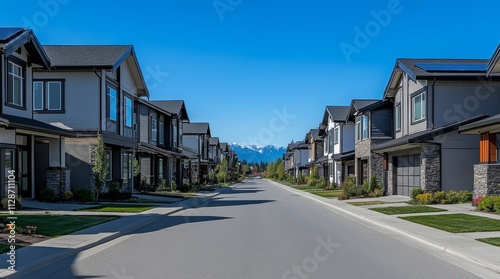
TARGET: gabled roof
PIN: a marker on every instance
(152, 105)
(105, 57)
(313, 134)
(12, 38)
(336, 113)
(177, 107)
(357, 105)
(33, 125)
(373, 106)
(214, 141)
(413, 67)
(493, 65)
(196, 128)
(224, 146)
(490, 125)
(423, 136)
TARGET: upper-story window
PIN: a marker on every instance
(336, 135)
(181, 124)
(418, 107)
(175, 134)
(112, 100)
(365, 126)
(397, 117)
(153, 129)
(48, 95)
(15, 84)
(358, 128)
(128, 112)
(330, 141)
(162, 133)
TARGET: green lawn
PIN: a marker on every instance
(368, 203)
(326, 193)
(57, 225)
(393, 210)
(457, 223)
(304, 187)
(123, 208)
(493, 241)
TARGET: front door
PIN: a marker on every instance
(23, 171)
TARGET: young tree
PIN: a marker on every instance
(100, 168)
(222, 169)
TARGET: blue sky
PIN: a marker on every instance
(261, 72)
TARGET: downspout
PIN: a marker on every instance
(60, 168)
(433, 112)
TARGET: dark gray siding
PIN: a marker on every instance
(143, 123)
(381, 121)
(146, 168)
(77, 160)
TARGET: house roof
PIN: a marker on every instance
(344, 156)
(173, 106)
(224, 146)
(493, 64)
(336, 113)
(214, 141)
(373, 106)
(12, 38)
(196, 128)
(358, 105)
(106, 57)
(423, 136)
(441, 68)
(490, 125)
(33, 125)
(313, 134)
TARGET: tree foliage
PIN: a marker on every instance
(100, 168)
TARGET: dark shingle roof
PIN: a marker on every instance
(338, 113)
(88, 56)
(360, 104)
(223, 146)
(196, 128)
(7, 33)
(418, 72)
(172, 106)
(33, 125)
(314, 134)
(214, 141)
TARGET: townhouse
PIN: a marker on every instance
(30, 150)
(316, 158)
(196, 138)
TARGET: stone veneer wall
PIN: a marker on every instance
(375, 161)
(486, 180)
(53, 176)
(430, 169)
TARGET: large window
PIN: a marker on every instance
(128, 109)
(162, 133)
(365, 126)
(397, 117)
(15, 84)
(48, 95)
(175, 134)
(336, 135)
(330, 141)
(153, 129)
(418, 106)
(180, 132)
(127, 166)
(112, 99)
(358, 127)
(109, 162)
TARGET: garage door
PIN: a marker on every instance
(408, 174)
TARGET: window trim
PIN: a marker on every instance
(108, 102)
(359, 128)
(365, 129)
(154, 128)
(45, 96)
(161, 130)
(397, 116)
(22, 64)
(336, 135)
(421, 92)
(125, 97)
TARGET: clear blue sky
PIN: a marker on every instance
(237, 64)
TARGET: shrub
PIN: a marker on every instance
(414, 193)
(300, 178)
(30, 229)
(5, 203)
(476, 200)
(365, 189)
(464, 196)
(68, 195)
(497, 207)
(342, 197)
(488, 203)
(47, 195)
(173, 186)
(84, 195)
(425, 198)
(323, 185)
(349, 188)
(377, 192)
(374, 183)
(452, 197)
(439, 197)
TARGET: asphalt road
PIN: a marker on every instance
(259, 230)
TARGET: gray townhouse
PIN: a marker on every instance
(30, 150)
(373, 126)
(196, 137)
(339, 143)
(431, 99)
(159, 150)
(316, 158)
(214, 151)
(92, 90)
(289, 160)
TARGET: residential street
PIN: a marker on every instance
(259, 230)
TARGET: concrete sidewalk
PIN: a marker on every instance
(47, 252)
(462, 245)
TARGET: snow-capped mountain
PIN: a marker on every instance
(253, 153)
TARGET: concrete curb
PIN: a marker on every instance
(416, 237)
(49, 259)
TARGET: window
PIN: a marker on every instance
(418, 105)
(358, 127)
(397, 117)
(128, 109)
(160, 167)
(162, 133)
(112, 112)
(127, 166)
(180, 133)
(365, 126)
(330, 141)
(15, 84)
(336, 135)
(175, 134)
(153, 129)
(109, 162)
(47, 95)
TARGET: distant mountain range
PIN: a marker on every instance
(253, 153)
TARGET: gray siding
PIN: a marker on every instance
(143, 123)
(145, 163)
(381, 123)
